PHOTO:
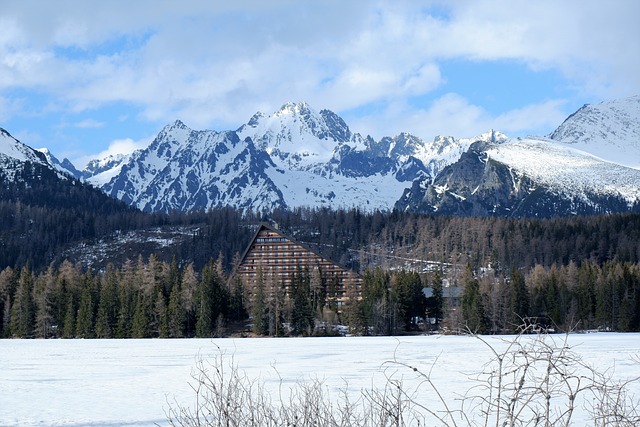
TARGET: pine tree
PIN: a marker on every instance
(302, 313)
(22, 311)
(212, 300)
(237, 309)
(127, 304)
(407, 295)
(519, 304)
(6, 317)
(69, 329)
(8, 284)
(189, 286)
(585, 295)
(176, 313)
(278, 307)
(472, 307)
(436, 301)
(376, 304)
(43, 304)
(140, 321)
(84, 320)
(162, 316)
(106, 319)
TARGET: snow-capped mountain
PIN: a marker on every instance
(15, 157)
(298, 156)
(526, 177)
(297, 135)
(291, 158)
(65, 166)
(185, 170)
(28, 176)
(13, 151)
(100, 171)
(609, 130)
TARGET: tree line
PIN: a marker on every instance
(152, 298)
(502, 242)
(39, 231)
(141, 299)
(588, 296)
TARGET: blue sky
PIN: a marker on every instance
(87, 78)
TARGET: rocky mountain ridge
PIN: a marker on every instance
(299, 157)
(609, 130)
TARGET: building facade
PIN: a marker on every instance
(276, 259)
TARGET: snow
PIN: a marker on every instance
(567, 169)
(13, 149)
(129, 382)
(609, 130)
(184, 169)
(305, 188)
(14, 154)
(104, 177)
(287, 132)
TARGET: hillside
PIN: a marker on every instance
(42, 209)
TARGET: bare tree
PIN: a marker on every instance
(532, 381)
(537, 380)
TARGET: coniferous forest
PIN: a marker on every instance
(57, 280)
(561, 273)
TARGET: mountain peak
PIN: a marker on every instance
(255, 119)
(11, 148)
(609, 130)
(64, 166)
(297, 134)
(293, 108)
(493, 136)
(298, 156)
(5, 133)
(178, 124)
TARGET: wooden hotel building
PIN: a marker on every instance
(278, 258)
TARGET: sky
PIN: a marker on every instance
(89, 78)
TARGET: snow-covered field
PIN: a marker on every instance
(129, 382)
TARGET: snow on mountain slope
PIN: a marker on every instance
(14, 155)
(443, 150)
(143, 166)
(566, 169)
(296, 135)
(306, 188)
(13, 150)
(64, 166)
(100, 171)
(299, 138)
(186, 170)
(525, 177)
(292, 158)
(183, 170)
(609, 130)
(300, 157)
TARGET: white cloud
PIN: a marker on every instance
(450, 114)
(89, 124)
(118, 146)
(453, 115)
(123, 146)
(594, 45)
(216, 63)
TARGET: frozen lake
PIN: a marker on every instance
(129, 382)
